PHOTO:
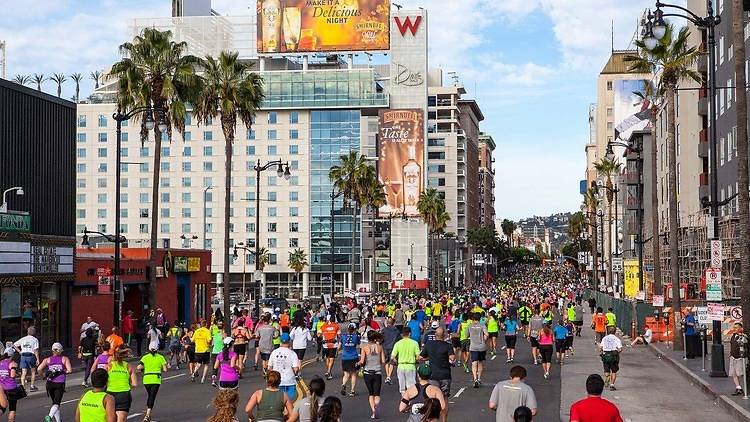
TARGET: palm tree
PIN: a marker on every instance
(373, 198)
(262, 258)
(298, 262)
(576, 225)
(96, 76)
(59, 79)
(39, 79)
(652, 95)
(672, 59)
(77, 78)
(591, 204)
(743, 176)
(155, 72)
(431, 208)
(22, 79)
(352, 177)
(608, 169)
(508, 227)
(230, 92)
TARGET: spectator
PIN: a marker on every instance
(509, 395)
(128, 327)
(644, 338)
(594, 408)
(737, 357)
(89, 324)
(690, 335)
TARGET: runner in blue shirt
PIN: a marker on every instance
(561, 334)
(510, 326)
(416, 328)
(349, 358)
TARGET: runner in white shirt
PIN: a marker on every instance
(300, 336)
(285, 362)
(28, 347)
(610, 348)
(90, 323)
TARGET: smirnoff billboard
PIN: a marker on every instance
(401, 163)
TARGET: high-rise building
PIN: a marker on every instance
(486, 180)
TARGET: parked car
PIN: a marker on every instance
(268, 305)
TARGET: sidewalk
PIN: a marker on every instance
(647, 389)
(718, 389)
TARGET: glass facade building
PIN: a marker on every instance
(333, 133)
(351, 88)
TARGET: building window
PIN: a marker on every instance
(272, 180)
(272, 117)
(102, 137)
(294, 134)
(123, 152)
(165, 197)
(80, 198)
(187, 197)
(609, 85)
(272, 135)
(102, 168)
(164, 227)
(101, 183)
(102, 121)
(294, 165)
(250, 135)
(81, 183)
(101, 213)
(294, 227)
(272, 260)
(101, 198)
(436, 168)
(208, 135)
(250, 150)
(124, 137)
(272, 227)
(436, 155)
(101, 228)
(81, 152)
(187, 182)
(164, 166)
(272, 211)
(164, 213)
(81, 137)
(294, 117)
(294, 196)
(208, 166)
(293, 211)
(208, 151)
(80, 213)
(272, 150)
(293, 149)
(101, 152)
(187, 151)
(293, 242)
(272, 196)
(250, 212)
(81, 168)
(81, 120)
(294, 181)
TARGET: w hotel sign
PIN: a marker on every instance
(409, 59)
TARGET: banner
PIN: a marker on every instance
(630, 112)
(401, 160)
(630, 267)
(311, 26)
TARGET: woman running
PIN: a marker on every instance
(121, 380)
(241, 335)
(492, 330)
(349, 357)
(372, 362)
(189, 347)
(12, 390)
(87, 354)
(511, 334)
(152, 365)
(430, 411)
(102, 361)
(546, 340)
(225, 403)
(57, 366)
(228, 365)
(270, 401)
(303, 410)
(300, 335)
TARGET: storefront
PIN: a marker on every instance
(183, 284)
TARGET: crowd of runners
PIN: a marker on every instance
(413, 342)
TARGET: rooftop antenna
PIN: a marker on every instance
(613, 35)
(454, 77)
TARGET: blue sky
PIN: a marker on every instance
(532, 65)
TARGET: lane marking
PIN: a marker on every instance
(459, 392)
(68, 401)
(173, 376)
(134, 415)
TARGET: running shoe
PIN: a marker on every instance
(352, 394)
(388, 381)
(34, 388)
(255, 366)
(376, 414)
(476, 383)
(343, 391)
(546, 375)
(737, 392)
(508, 360)
(612, 388)
(85, 384)
(48, 418)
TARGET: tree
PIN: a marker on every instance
(155, 72)
(608, 169)
(231, 92)
(77, 78)
(672, 59)
(591, 204)
(373, 199)
(431, 208)
(262, 258)
(39, 79)
(743, 176)
(508, 227)
(22, 79)
(576, 225)
(652, 95)
(297, 262)
(96, 76)
(59, 79)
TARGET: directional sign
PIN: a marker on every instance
(713, 285)
(716, 255)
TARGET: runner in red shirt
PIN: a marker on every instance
(594, 408)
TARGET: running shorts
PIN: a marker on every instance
(240, 349)
(203, 358)
(546, 352)
(534, 342)
(329, 353)
(478, 356)
(123, 400)
(510, 342)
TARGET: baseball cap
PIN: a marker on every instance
(434, 324)
(352, 325)
(285, 338)
(275, 317)
(424, 371)
(228, 340)
(58, 347)
(10, 351)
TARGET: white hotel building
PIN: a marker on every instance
(316, 109)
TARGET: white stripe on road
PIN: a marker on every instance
(134, 415)
(458, 393)
(69, 401)
(173, 376)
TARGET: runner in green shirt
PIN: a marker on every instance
(96, 405)
(464, 337)
(217, 345)
(405, 353)
(152, 365)
(492, 329)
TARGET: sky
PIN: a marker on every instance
(531, 64)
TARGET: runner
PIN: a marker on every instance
(414, 397)
(599, 324)
(225, 403)
(561, 338)
(174, 337)
(102, 361)
(371, 362)
(524, 315)
(390, 337)
(578, 322)
(12, 391)
(546, 340)
(465, 341)
(28, 347)
(271, 402)
(57, 367)
(265, 334)
(492, 330)
(96, 405)
(349, 358)
(441, 357)
(120, 381)
(217, 345)
(188, 346)
(202, 340)
(152, 365)
(306, 410)
(229, 366)
(610, 348)
(535, 326)
(478, 348)
(511, 334)
(330, 332)
(405, 354)
(300, 336)
(240, 337)
(284, 361)
(509, 395)
(86, 354)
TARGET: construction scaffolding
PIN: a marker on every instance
(694, 252)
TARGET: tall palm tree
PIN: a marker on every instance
(22, 79)
(262, 258)
(77, 78)
(653, 95)
(591, 204)
(59, 79)
(508, 227)
(155, 72)
(608, 169)
(431, 208)
(352, 177)
(672, 59)
(39, 79)
(743, 176)
(96, 76)
(372, 200)
(232, 92)
(297, 262)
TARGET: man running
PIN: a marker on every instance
(202, 340)
(96, 405)
(609, 349)
(478, 348)
(331, 333)
(265, 334)
(535, 327)
(405, 354)
(440, 355)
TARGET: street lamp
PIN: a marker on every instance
(149, 122)
(656, 27)
(282, 170)
(4, 205)
(245, 250)
(600, 214)
(188, 239)
(116, 239)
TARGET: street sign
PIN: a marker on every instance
(702, 313)
(713, 285)
(641, 295)
(715, 311)
(657, 300)
(735, 312)
(710, 227)
(716, 254)
(617, 265)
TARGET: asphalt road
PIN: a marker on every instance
(181, 400)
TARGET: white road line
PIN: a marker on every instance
(458, 393)
(173, 376)
(69, 401)
(134, 415)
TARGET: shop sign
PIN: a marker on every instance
(25, 258)
(15, 222)
(186, 264)
(104, 272)
(104, 286)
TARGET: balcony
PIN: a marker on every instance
(460, 173)
(461, 199)
(461, 133)
(461, 146)
(631, 178)
(632, 204)
(703, 106)
(461, 186)
(703, 144)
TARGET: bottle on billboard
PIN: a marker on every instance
(412, 182)
(292, 27)
(271, 25)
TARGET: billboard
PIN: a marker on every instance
(630, 112)
(312, 26)
(401, 159)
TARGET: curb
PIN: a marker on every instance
(722, 399)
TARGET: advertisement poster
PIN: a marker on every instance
(401, 160)
(310, 26)
(630, 267)
(630, 113)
